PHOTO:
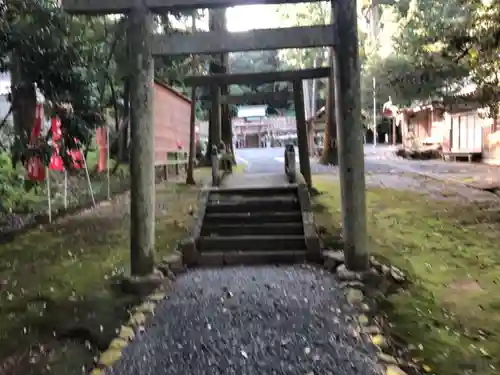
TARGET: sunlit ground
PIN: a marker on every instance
(451, 313)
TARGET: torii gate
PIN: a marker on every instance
(341, 35)
(294, 76)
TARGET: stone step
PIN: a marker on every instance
(238, 197)
(251, 243)
(253, 205)
(252, 217)
(255, 191)
(253, 229)
(220, 258)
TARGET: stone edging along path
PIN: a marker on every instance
(360, 290)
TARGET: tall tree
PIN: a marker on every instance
(421, 69)
(306, 14)
(259, 61)
(72, 52)
(314, 14)
(474, 42)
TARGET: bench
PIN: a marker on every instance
(175, 163)
(454, 155)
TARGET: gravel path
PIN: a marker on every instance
(268, 320)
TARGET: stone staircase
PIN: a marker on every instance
(252, 226)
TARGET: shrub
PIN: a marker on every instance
(16, 195)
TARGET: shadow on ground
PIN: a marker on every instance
(58, 306)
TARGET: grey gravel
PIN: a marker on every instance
(266, 320)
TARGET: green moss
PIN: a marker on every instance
(58, 279)
(451, 312)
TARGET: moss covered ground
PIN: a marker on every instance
(450, 314)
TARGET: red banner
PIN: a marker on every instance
(34, 166)
(102, 146)
(77, 157)
(37, 127)
(56, 162)
(35, 169)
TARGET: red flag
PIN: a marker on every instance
(76, 156)
(35, 169)
(34, 166)
(56, 129)
(56, 162)
(102, 145)
(37, 127)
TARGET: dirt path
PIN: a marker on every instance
(434, 188)
(415, 182)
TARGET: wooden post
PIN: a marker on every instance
(192, 120)
(226, 123)
(215, 115)
(350, 135)
(142, 176)
(300, 118)
(192, 147)
(333, 157)
(393, 122)
(215, 21)
(177, 166)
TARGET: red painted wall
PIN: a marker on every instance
(172, 113)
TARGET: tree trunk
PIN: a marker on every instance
(314, 92)
(124, 129)
(330, 151)
(23, 101)
(307, 98)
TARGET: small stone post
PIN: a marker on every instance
(350, 134)
(215, 165)
(142, 176)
